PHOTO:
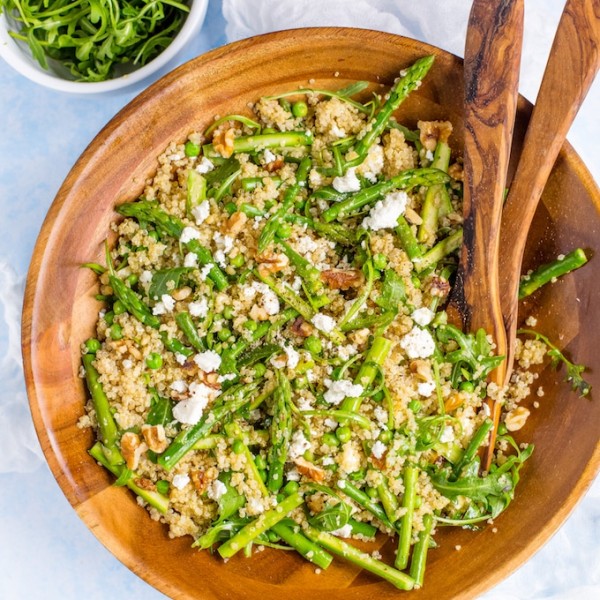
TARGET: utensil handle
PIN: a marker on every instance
(492, 59)
(572, 65)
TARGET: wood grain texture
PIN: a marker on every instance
(492, 62)
(60, 311)
(573, 63)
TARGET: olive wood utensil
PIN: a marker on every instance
(573, 63)
(492, 59)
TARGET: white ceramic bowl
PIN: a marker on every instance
(18, 56)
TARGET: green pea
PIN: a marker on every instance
(379, 396)
(228, 312)
(380, 262)
(372, 492)
(385, 436)
(299, 109)
(132, 280)
(467, 386)
(414, 405)
(343, 434)
(231, 207)
(262, 473)
(358, 475)
(237, 261)
(502, 430)
(309, 456)
(313, 344)
(269, 130)
(260, 462)
(119, 308)
(280, 498)
(162, 487)
(330, 439)
(224, 334)
(116, 332)
(154, 360)
(259, 370)
(109, 317)
(250, 325)
(92, 346)
(191, 149)
(154, 235)
(284, 231)
(272, 537)
(237, 446)
(291, 487)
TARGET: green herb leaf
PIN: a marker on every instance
(331, 518)
(393, 291)
(161, 410)
(161, 280)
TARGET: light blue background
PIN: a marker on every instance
(45, 550)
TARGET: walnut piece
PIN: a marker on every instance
(301, 328)
(271, 262)
(223, 142)
(515, 419)
(155, 438)
(309, 470)
(132, 449)
(432, 132)
(235, 223)
(342, 279)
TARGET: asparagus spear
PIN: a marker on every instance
(304, 546)
(361, 559)
(254, 143)
(281, 432)
(545, 273)
(365, 501)
(186, 324)
(419, 557)
(439, 251)
(266, 521)
(406, 180)
(411, 474)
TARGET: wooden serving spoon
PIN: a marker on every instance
(573, 63)
(492, 60)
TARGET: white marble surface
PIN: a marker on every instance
(45, 550)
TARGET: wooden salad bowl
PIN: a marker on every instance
(60, 312)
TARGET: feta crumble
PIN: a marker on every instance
(298, 445)
(190, 410)
(199, 308)
(216, 490)
(323, 323)
(385, 213)
(201, 212)
(378, 449)
(204, 272)
(426, 388)
(190, 260)
(188, 234)
(204, 166)
(208, 361)
(346, 183)
(343, 388)
(180, 480)
(423, 316)
(418, 343)
(344, 532)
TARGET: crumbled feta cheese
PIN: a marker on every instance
(199, 308)
(346, 183)
(254, 506)
(179, 386)
(220, 259)
(269, 157)
(166, 305)
(180, 480)
(208, 361)
(127, 364)
(323, 323)
(188, 234)
(145, 277)
(381, 415)
(378, 449)
(180, 358)
(447, 435)
(350, 458)
(298, 445)
(426, 388)
(206, 269)
(270, 302)
(385, 213)
(338, 390)
(293, 474)
(189, 411)
(338, 132)
(429, 155)
(305, 244)
(373, 164)
(331, 423)
(418, 343)
(201, 212)
(345, 352)
(216, 490)
(190, 260)
(344, 532)
(227, 377)
(304, 403)
(224, 242)
(293, 358)
(159, 309)
(328, 460)
(422, 316)
(205, 165)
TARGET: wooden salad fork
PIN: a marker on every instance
(491, 67)
(573, 63)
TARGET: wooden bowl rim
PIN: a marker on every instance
(45, 239)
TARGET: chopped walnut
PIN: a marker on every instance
(439, 287)
(433, 132)
(301, 328)
(155, 437)
(235, 223)
(455, 170)
(145, 484)
(274, 165)
(515, 419)
(309, 470)
(342, 279)
(199, 480)
(258, 313)
(421, 368)
(182, 293)
(132, 449)
(412, 216)
(454, 401)
(210, 379)
(271, 262)
(223, 142)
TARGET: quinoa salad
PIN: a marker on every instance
(273, 365)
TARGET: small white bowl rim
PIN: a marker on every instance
(26, 66)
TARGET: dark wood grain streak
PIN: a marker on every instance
(573, 63)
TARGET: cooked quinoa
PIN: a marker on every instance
(257, 347)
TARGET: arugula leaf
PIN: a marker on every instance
(331, 518)
(474, 487)
(161, 410)
(574, 371)
(261, 353)
(231, 501)
(393, 291)
(162, 278)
